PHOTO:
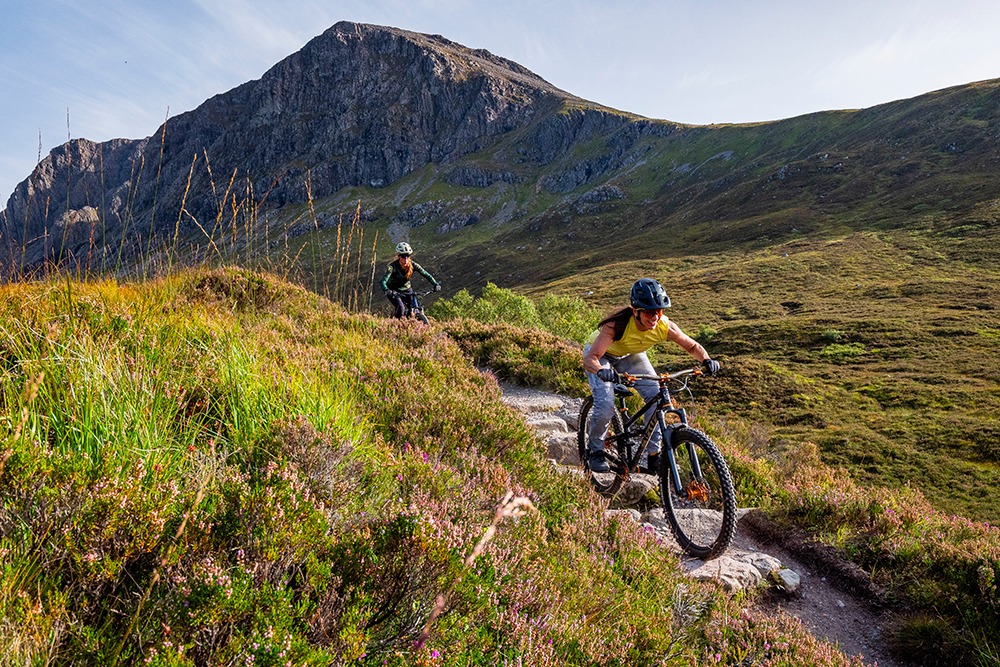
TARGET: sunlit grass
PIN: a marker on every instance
(223, 467)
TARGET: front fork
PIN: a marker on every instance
(668, 447)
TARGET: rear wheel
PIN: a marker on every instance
(605, 482)
(702, 512)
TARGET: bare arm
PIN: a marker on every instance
(690, 345)
(592, 360)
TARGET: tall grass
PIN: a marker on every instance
(221, 468)
(332, 254)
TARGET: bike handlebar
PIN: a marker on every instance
(413, 292)
(629, 379)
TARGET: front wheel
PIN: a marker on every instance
(605, 482)
(702, 509)
(419, 314)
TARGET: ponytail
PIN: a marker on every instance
(619, 319)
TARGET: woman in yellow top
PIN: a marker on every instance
(619, 346)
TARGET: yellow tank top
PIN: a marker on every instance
(633, 340)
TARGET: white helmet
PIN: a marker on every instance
(403, 248)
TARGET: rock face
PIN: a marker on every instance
(359, 105)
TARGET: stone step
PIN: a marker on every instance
(562, 448)
(544, 424)
(531, 403)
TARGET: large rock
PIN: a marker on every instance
(359, 105)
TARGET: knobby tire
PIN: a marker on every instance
(704, 520)
(605, 482)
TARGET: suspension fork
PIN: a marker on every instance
(668, 447)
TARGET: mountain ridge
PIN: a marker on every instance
(471, 154)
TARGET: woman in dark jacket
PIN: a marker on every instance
(397, 277)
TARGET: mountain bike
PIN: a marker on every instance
(696, 487)
(411, 304)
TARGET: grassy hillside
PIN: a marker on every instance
(221, 468)
(879, 348)
(937, 570)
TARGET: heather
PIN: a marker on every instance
(938, 566)
(222, 468)
(944, 569)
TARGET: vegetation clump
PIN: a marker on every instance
(564, 316)
(191, 476)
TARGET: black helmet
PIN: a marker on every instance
(647, 294)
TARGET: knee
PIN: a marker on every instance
(602, 410)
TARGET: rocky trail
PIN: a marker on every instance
(831, 599)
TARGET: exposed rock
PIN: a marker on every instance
(357, 105)
(600, 194)
(562, 447)
(545, 425)
(634, 490)
(477, 177)
(735, 575)
(786, 580)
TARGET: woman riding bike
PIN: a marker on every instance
(397, 278)
(619, 345)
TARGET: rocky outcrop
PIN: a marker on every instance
(358, 105)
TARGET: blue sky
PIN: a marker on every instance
(117, 68)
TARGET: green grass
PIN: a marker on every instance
(222, 467)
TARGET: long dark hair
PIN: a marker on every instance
(619, 319)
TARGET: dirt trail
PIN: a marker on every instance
(834, 602)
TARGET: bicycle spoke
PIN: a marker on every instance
(701, 507)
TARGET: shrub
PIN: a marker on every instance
(705, 334)
(841, 351)
(565, 316)
(495, 305)
(525, 356)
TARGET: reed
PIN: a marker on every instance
(337, 261)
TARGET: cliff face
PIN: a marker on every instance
(358, 105)
(434, 137)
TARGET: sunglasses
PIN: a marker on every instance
(652, 311)
(403, 256)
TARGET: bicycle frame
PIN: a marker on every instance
(411, 301)
(663, 405)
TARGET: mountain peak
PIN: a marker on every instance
(358, 105)
(464, 60)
